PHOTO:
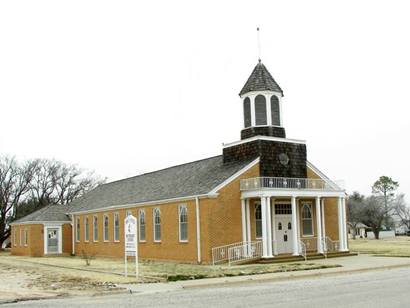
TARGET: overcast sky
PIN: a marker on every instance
(125, 87)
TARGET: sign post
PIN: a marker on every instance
(130, 242)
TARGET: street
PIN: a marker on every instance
(386, 288)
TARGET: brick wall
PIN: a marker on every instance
(35, 241)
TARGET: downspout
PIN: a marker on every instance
(198, 230)
(72, 236)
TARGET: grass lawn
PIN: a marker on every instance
(107, 269)
(395, 247)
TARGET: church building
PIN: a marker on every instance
(260, 199)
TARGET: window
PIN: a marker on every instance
(142, 226)
(105, 227)
(77, 229)
(117, 227)
(86, 230)
(260, 110)
(289, 226)
(25, 237)
(279, 226)
(21, 237)
(95, 228)
(128, 213)
(247, 112)
(283, 209)
(275, 110)
(258, 220)
(307, 221)
(157, 225)
(183, 223)
(14, 237)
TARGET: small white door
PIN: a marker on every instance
(283, 231)
(52, 240)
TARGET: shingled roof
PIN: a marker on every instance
(260, 80)
(190, 179)
(47, 213)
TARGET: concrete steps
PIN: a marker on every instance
(310, 256)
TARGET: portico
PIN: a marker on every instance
(292, 215)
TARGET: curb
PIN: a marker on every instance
(255, 279)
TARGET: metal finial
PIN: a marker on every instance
(259, 45)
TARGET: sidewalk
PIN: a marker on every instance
(349, 264)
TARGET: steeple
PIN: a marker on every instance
(262, 105)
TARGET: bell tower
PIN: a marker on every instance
(262, 105)
(263, 135)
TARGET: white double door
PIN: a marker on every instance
(283, 229)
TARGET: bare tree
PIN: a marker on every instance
(375, 213)
(355, 209)
(14, 184)
(386, 187)
(402, 210)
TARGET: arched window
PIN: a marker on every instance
(105, 227)
(183, 223)
(280, 226)
(260, 110)
(258, 220)
(142, 226)
(307, 219)
(157, 225)
(289, 226)
(86, 229)
(275, 110)
(247, 112)
(117, 227)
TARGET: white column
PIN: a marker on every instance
(253, 117)
(269, 227)
(243, 213)
(248, 220)
(264, 233)
(344, 224)
(323, 222)
(319, 226)
(340, 223)
(268, 110)
(294, 228)
(273, 228)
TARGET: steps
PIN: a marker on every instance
(310, 256)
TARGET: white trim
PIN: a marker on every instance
(317, 171)
(310, 205)
(253, 113)
(198, 230)
(255, 93)
(266, 138)
(141, 204)
(153, 224)
(266, 192)
(94, 227)
(268, 110)
(77, 229)
(179, 222)
(233, 177)
(86, 225)
(38, 223)
(106, 228)
(60, 237)
(139, 226)
(117, 214)
(255, 204)
(25, 237)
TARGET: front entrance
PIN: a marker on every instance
(283, 231)
(52, 240)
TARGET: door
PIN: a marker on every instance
(52, 240)
(284, 233)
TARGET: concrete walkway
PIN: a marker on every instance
(348, 265)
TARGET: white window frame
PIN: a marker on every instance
(128, 213)
(309, 205)
(21, 237)
(77, 229)
(25, 237)
(95, 227)
(180, 207)
(14, 237)
(106, 228)
(144, 225)
(154, 210)
(86, 229)
(116, 232)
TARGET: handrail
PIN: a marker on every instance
(244, 251)
(291, 183)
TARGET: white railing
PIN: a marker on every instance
(302, 250)
(244, 251)
(310, 243)
(330, 245)
(236, 252)
(291, 183)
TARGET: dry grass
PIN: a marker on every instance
(111, 270)
(395, 247)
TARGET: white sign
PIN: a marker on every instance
(130, 242)
(130, 234)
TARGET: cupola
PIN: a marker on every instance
(262, 105)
